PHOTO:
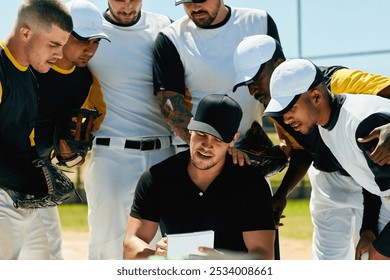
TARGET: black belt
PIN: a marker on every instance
(182, 146)
(143, 145)
(15, 195)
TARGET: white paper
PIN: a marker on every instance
(185, 244)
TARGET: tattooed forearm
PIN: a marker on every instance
(175, 113)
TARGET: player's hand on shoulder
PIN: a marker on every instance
(381, 153)
(239, 157)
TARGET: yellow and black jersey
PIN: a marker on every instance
(60, 92)
(18, 108)
(338, 79)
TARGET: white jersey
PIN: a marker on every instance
(126, 62)
(207, 57)
(340, 137)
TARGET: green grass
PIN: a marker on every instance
(74, 217)
(297, 224)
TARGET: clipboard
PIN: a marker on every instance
(185, 244)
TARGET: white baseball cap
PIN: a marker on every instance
(87, 20)
(251, 55)
(288, 81)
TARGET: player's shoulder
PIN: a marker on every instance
(171, 163)
(157, 17)
(245, 171)
(177, 26)
(250, 178)
(244, 12)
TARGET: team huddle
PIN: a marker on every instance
(171, 114)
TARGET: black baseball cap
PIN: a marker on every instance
(178, 2)
(218, 115)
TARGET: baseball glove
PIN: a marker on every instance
(262, 152)
(46, 176)
(73, 136)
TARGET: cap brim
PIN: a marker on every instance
(248, 77)
(187, 1)
(245, 78)
(91, 37)
(100, 36)
(203, 127)
(278, 107)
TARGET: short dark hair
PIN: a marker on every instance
(44, 14)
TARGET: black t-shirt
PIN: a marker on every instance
(230, 206)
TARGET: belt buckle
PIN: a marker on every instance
(142, 146)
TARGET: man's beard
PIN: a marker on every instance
(206, 22)
(201, 166)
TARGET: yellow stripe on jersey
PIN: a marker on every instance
(64, 71)
(32, 140)
(95, 100)
(358, 82)
(12, 58)
(1, 93)
(294, 143)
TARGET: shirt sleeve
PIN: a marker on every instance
(372, 205)
(168, 70)
(95, 100)
(381, 173)
(256, 203)
(145, 204)
(358, 82)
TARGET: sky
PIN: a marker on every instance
(341, 29)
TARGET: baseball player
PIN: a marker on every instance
(41, 30)
(299, 96)
(65, 88)
(189, 67)
(336, 199)
(132, 136)
(203, 194)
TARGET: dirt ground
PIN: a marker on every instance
(75, 247)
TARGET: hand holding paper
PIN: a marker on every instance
(186, 244)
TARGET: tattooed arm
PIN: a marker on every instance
(175, 113)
